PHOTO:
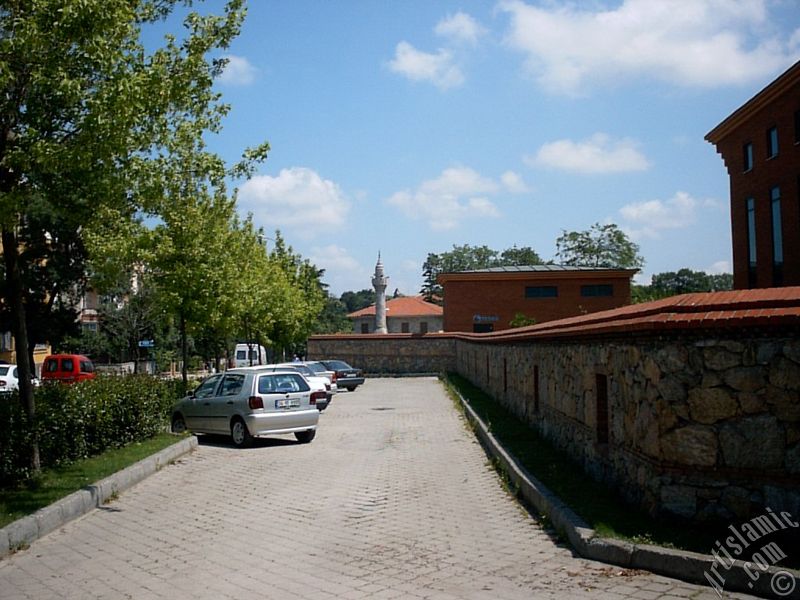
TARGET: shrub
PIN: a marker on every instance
(84, 419)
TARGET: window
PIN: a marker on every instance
(772, 142)
(541, 291)
(365, 328)
(423, 327)
(777, 237)
(601, 384)
(797, 127)
(87, 366)
(748, 157)
(232, 385)
(751, 243)
(67, 365)
(405, 328)
(591, 291)
(206, 389)
(482, 327)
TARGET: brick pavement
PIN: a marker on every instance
(393, 499)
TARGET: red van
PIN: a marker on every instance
(67, 368)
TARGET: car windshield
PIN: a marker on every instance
(3, 370)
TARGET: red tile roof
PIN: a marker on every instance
(405, 306)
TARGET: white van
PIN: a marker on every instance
(249, 355)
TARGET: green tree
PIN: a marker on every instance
(683, 281)
(519, 257)
(605, 246)
(88, 116)
(354, 301)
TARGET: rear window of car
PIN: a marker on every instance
(241, 354)
(3, 370)
(316, 367)
(338, 365)
(282, 383)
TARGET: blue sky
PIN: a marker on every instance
(407, 127)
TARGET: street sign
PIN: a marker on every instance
(146, 343)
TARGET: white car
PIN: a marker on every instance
(9, 380)
(248, 403)
(322, 371)
(316, 381)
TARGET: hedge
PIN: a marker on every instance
(82, 420)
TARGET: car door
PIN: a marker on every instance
(197, 408)
(226, 402)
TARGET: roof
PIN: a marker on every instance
(538, 272)
(775, 89)
(404, 306)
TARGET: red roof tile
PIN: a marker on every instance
(405, 306)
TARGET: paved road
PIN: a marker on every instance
(393, 499)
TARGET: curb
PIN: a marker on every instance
(691, 567)
(23, 532)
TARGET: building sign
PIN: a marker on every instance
(485, 318)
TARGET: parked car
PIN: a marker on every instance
(250, 402)
(9, 378)
(67, 368)
(322, 371)
(347, 377)
(249, 355)
(316, 382)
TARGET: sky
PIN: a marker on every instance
(408, 127)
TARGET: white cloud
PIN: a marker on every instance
(439, 69)
(342, 271)
(459, 193)
(298, 198)
(460, 27)
(598, 154)
(703, 43)
(514, 183)
(648, 218)
(719, 267)
(238, 71)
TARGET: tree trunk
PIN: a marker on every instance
(19, 329)
(184, 352)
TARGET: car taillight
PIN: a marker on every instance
(320, 395)
(255, 402)
(2, 383)
(333, 378)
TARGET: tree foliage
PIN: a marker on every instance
(683, 281)
(470, 258)
(605, 246)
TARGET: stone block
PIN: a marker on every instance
(679, 500)
(672, 358)
(690, 445)
(709, 405)
(49, 519)
(752, 443)
(672, 390)
(784, 404)
(791, 350)
(784, 373)
(737, 500)
(752, 403)
(746, 379)
(720, 359)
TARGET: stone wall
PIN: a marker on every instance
(689, 406)
(388, 354)
(701, 428)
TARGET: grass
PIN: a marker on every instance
(596, 503)
(53, 484)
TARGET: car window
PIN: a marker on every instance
(3, 370)
(206, 389)
(267, 384)
(68, 365)
(51, 365)
(15, 373)
(316, 367)
(241, 354)
(232, 385)
(87, 367)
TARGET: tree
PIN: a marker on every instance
(354, 301)
(604, 246)
(470, 258)
(683, 281)
(88, 118)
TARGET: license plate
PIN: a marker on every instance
(352, 374)
(287, 403)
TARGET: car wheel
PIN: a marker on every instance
(351, 389)
(240, 434)
(178, 424)
(305, 436)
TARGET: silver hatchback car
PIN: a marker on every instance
(250, 402)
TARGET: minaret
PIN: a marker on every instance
(379, 282)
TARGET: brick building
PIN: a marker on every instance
(760, 145)
(489, 299)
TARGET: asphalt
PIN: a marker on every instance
(395, 498)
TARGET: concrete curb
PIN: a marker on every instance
(23, 532)
(679, 564)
